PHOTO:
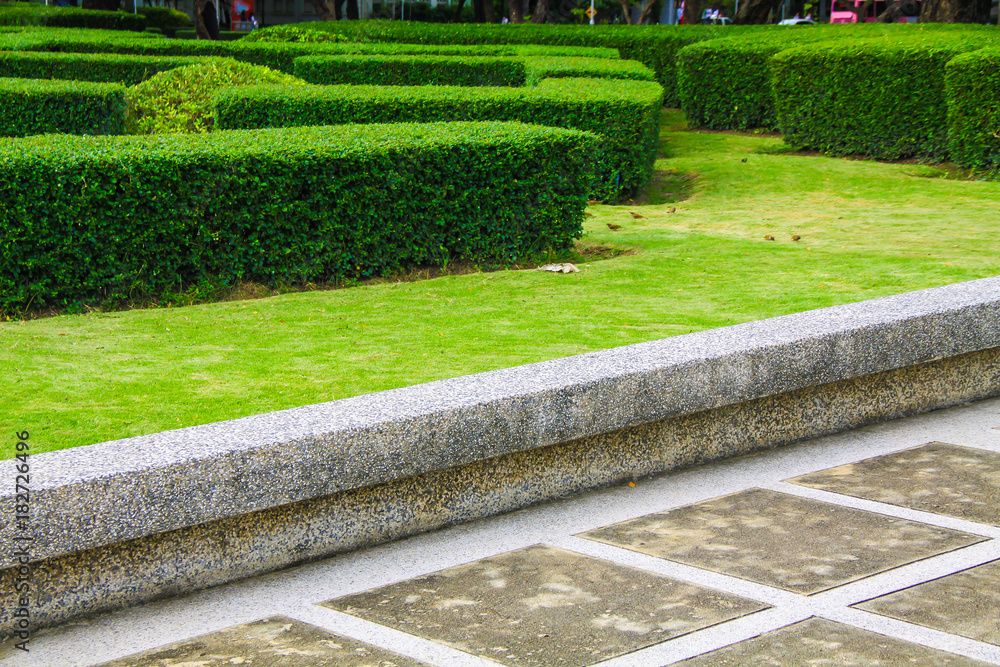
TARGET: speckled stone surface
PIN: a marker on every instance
(966, 604)
(271, 642)
(936, 477)
(189, 559)
(546, 607)
(106, 493)
(817, 641)
(797, 544)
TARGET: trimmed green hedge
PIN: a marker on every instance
(38, 39)
(546, 67)
(654, 46)
(725, 84)
(167, 19)
(276, 55)
(30, 13)
(224, 36)
(972, 86)
(40, 107)
(422, 70)
(105, 68)
(879, 98)
(379, 70)
(94, 219)
(624, 113)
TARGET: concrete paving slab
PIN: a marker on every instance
(271, 642)
(545, 606)
(816, 641)
(937, 477)
(966, 603)
(772, 538)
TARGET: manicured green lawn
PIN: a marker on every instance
(867, 230)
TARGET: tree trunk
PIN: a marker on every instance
(488, 11)
(897, 10)
(756, 11)
(627, 11)
(211, 20)
(647, 11)
(199, 22)
(351, 9)
(541, 14)
(861, 11)
(692, 12)
(479, 11)
(323, 10)
(955, 11)
(107, 5)
(458, 11)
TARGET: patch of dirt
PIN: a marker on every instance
(666, 187)
(931, 168)
(756, 132)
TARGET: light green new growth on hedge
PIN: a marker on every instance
(40, 106)
(181, 100)
(625, 114)
(98, 67)
(972, 86)
(89, 218)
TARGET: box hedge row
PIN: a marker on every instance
(972, 85)
(654, 46)
(41, 107)
(726, 83)
(166, 19)
(547, 67)
(395, 70)
(879, 98)
(88, 219)
(624, 113)
(96, 67)
(35, 14)
(35, 39)
(379, 70)
(276, 55)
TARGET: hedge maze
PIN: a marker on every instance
(485, 154)
(413, 143)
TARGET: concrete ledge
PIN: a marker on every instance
(128, 521)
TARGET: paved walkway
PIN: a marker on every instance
(875, 547)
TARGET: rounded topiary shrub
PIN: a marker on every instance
(180, 100)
